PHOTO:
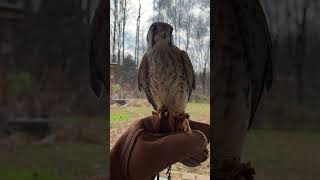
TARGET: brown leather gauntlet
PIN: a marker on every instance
(141, 152)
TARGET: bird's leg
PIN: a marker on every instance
(156, 113)
(164, 115)
(182, 121)
(169, 173)
(162, 109)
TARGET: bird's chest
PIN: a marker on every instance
(166, 74)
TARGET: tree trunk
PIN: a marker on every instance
(119, 32)
(159, 9)
(119, 42)
(137, 37)
(124, 26)
(204, 80)
(114, 30)
(179, 23)
(300, 58)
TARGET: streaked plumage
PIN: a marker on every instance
(166, 73)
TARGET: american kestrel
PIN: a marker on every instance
(166, 76)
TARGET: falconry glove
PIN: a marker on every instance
(141, 152)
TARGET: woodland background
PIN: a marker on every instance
(129, 24)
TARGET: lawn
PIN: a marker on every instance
(197, 111)
(283, 155)
(77, 152)
(67, 161)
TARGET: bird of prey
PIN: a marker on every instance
(166, 76)
(98, 49)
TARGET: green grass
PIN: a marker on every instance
(130, 112)
(118, 117)
(197, 111)
(67, 161)
(13, 173)
(282, 155)
(64, 160)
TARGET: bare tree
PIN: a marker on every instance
(300, 51)
(200, 48)
(179, 22)
(119, 32)
(136, 53)
(124, 20)
(115, 15)
(142, 41)
(153, 9)
(297, 43)
(188, 20)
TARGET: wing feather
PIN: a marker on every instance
(143, 80)
(188, 68)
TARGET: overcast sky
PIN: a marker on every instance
(146, 14)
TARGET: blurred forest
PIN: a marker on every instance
(48, 112)
(294, 99)
(44, 58)
(129, 23)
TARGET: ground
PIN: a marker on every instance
(282, 155)
(77, 152)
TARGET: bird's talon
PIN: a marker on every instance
(154, 113)
(183, 123)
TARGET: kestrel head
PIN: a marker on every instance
(159, 32)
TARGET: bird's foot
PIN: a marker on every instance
(161, 112)
(155, 113)
(182, 121)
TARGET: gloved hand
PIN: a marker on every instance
(141, 152)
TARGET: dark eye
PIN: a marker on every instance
(171, 30)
